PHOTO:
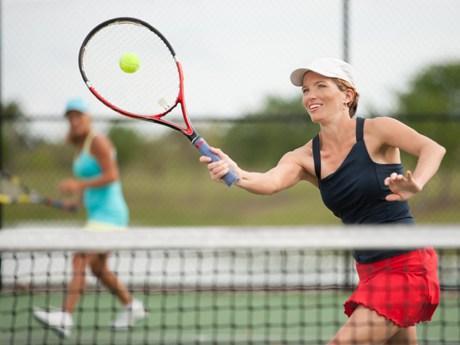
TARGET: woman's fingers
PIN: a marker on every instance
(393, 178)
(402, 186)
(218, 169)
(393, 197)
(219, 153)
(410, 177)
(205, 159)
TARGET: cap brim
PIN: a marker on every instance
(297, 76)
(74, 111)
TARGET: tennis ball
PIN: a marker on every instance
(129, 62)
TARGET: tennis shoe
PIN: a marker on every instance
(128, 317)
(58, 321)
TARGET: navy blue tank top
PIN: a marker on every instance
(356, 193)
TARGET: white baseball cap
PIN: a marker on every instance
(328, 67)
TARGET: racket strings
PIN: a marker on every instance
(152, 89)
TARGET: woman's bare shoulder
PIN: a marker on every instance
(101, 144)
(303, 156)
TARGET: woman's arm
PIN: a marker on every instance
(285, 174)
(429, 153)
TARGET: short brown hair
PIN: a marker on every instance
(343, 86)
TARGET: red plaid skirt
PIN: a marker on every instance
(403, 289)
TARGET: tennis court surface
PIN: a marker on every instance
(216, 285)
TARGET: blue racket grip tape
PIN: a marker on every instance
(230, 178)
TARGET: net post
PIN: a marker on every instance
(1, 128)
(346, 30)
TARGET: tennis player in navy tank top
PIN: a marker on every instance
(356, 165)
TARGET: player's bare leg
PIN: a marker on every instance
(405, 336)
(77, 284)
(99, 267)
(133, 310)
(366, 327)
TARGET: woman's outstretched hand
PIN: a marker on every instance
(402, 187)
(217, 170)
(70, 186)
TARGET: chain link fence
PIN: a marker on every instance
(237, 57)
(166, 185)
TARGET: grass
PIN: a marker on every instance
(180, 199)
(180, 193)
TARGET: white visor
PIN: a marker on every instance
(328, 67)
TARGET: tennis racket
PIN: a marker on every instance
(13, 191)
(151, 92)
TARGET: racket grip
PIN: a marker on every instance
(230, 178)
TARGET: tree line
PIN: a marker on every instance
(430, 104)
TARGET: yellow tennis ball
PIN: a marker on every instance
(129, 62)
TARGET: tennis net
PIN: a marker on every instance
(224, 285)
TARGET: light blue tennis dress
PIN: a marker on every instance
(105, 205)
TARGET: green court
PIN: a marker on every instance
(206, 317)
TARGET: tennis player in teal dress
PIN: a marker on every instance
(105, 205)
(97, 184)
(356, 165)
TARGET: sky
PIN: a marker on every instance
(234, 53)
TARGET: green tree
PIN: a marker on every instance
(262, 137)
(435, 93)
(14, 129)
(128, 142)
(434, 90)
